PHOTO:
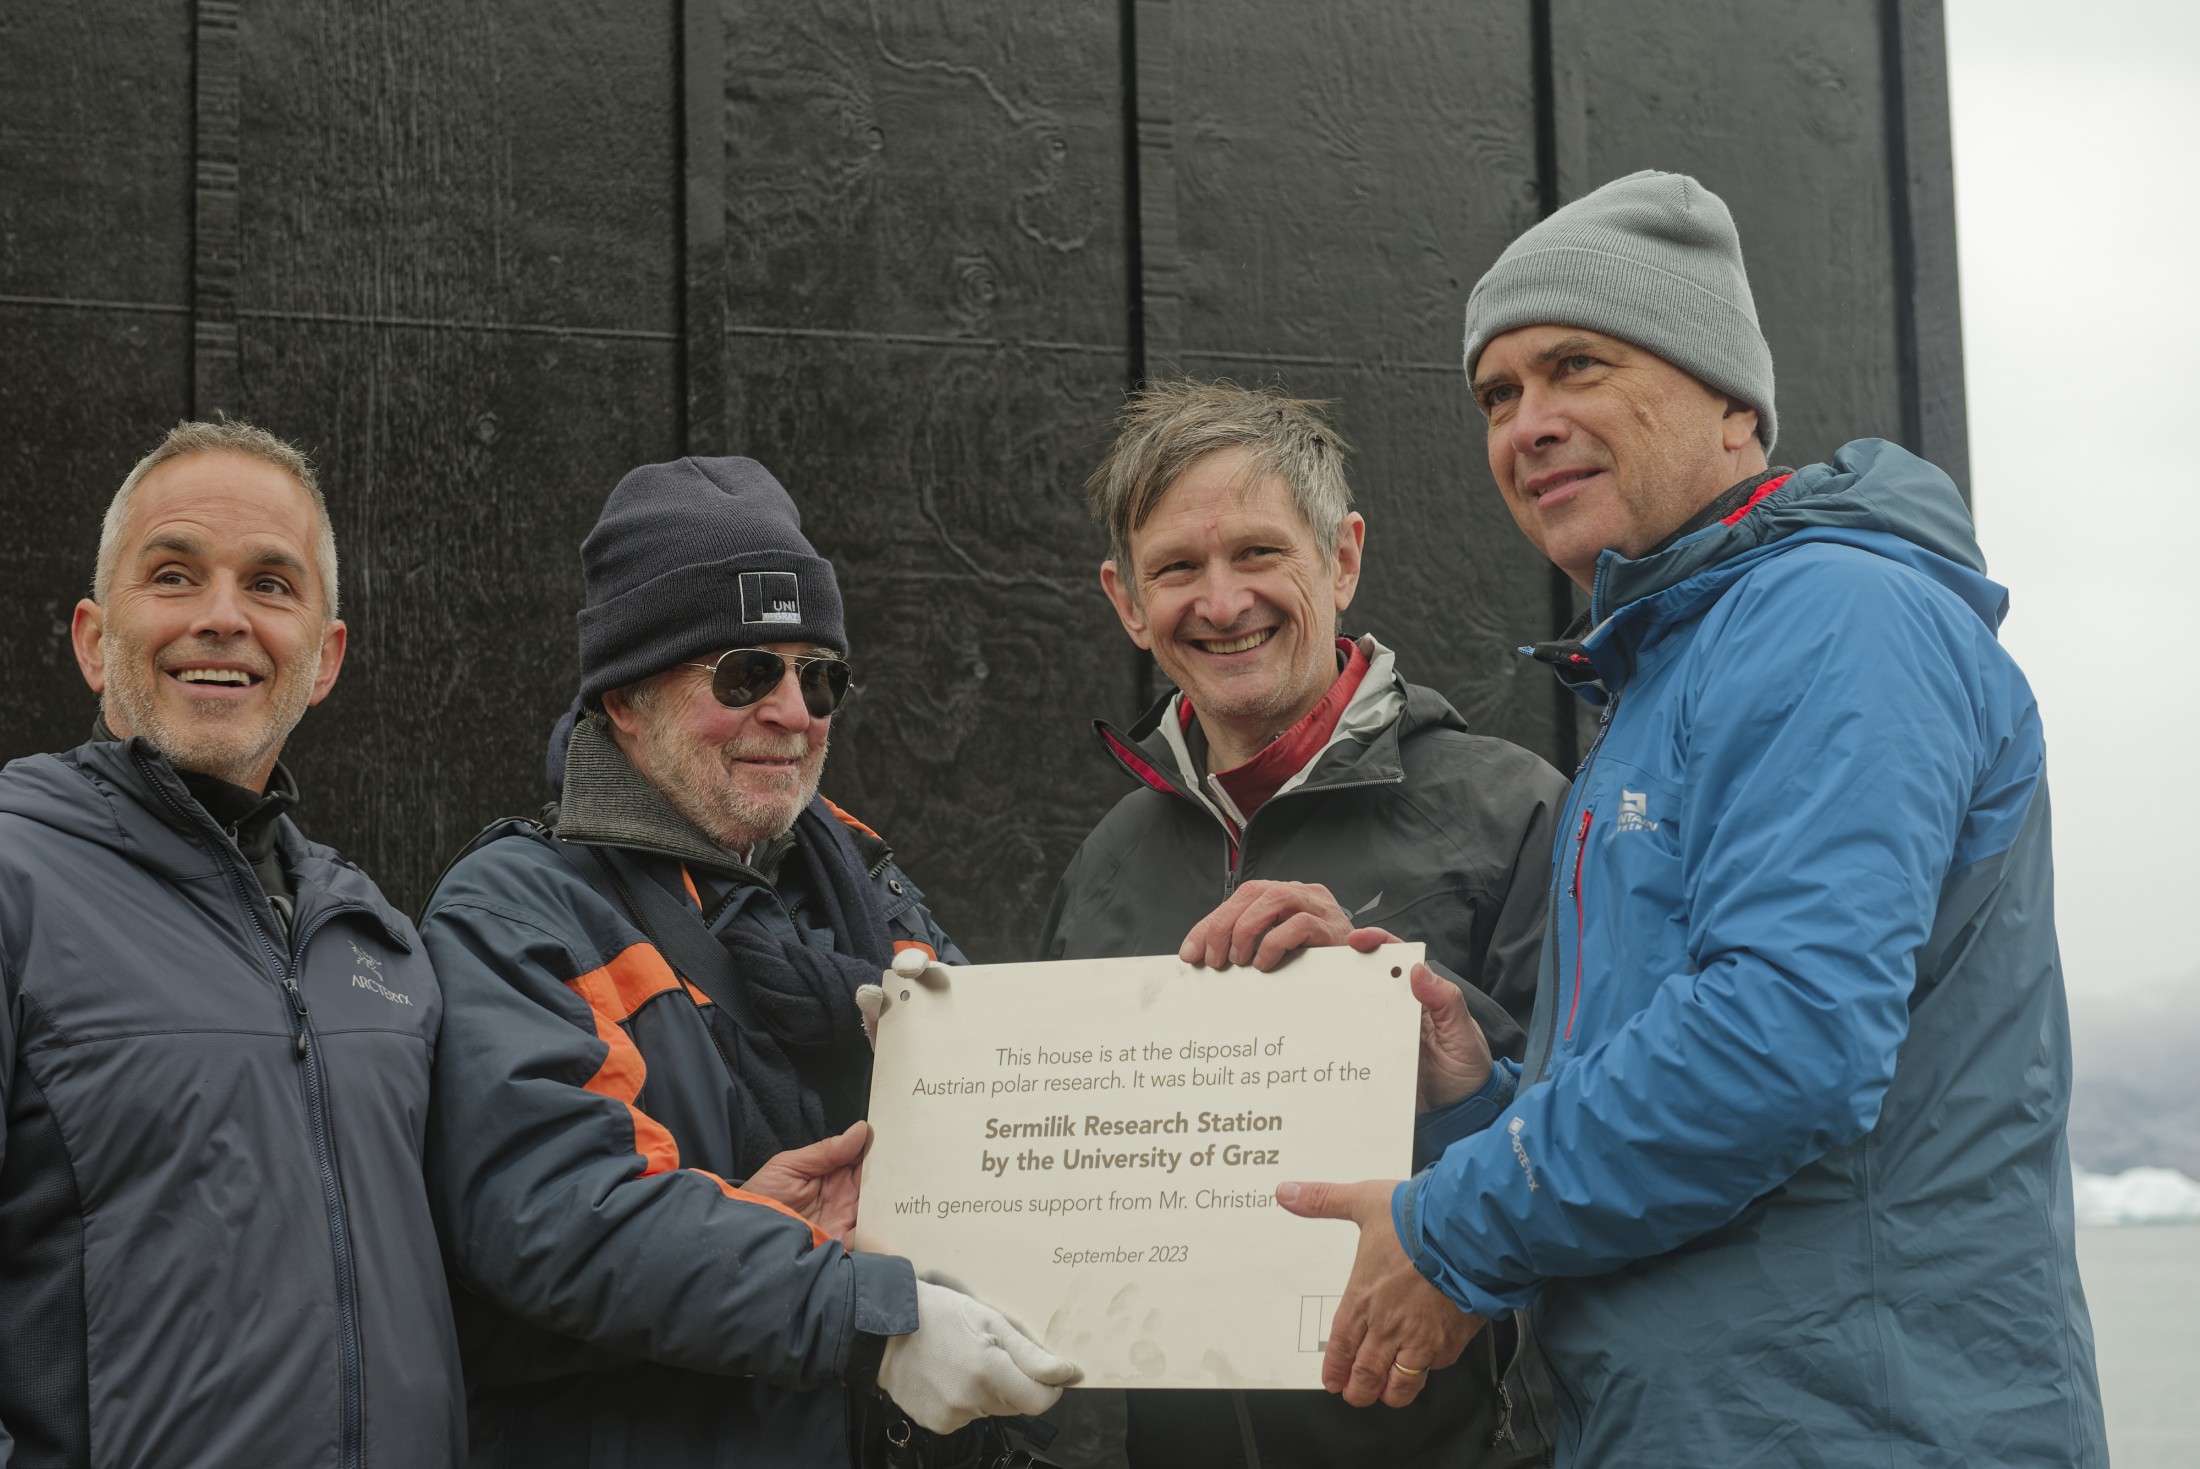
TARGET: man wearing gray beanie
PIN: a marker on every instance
(653, 1062)
(1783, 1176)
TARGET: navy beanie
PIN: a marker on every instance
(692, 557)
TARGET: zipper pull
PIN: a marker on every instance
(1581, 846)
(1504, 1432)
(298, 1002)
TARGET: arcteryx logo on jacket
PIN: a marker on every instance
(1787, 1181)
(215, 1245)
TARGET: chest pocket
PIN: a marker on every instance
(1619, 899)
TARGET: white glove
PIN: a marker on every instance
(966, 1361)
(871, 998)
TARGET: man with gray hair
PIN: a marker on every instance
(1291, 776)
(215, 1243)
(1783, 1176)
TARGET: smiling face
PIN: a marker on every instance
(212, 640)
(1597, 445)
(741, 776)
(1230, 591)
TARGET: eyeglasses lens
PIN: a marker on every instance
(748, 674)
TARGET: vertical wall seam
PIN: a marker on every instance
(702, 281)
(215, 227)
(1134, 238)
(1159, 288)
(1900, 223)
(1565, 735)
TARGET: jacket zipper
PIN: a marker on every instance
(324, 1155)
(1234, 846)
(1581, 850)
(1551, 931)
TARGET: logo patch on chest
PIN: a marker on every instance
(372, 979)
(1634, 812)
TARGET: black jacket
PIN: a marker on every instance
(1415, 825)
(215, 1245)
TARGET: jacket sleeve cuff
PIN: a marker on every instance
(886, 1294)
(1437, 1130)
(1405, 1217)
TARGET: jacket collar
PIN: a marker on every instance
(107, 790)
(1362, 751)
(1873, 495)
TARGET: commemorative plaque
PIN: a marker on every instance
(1093, 1147)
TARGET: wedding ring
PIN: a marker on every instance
(1408, 1371)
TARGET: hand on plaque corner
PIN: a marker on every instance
(910, 963)
(1454, 1061)
(965, 1361)
(1264, 923)
(1391, 1328)
(820, 1181)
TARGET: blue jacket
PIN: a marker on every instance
(1787, 1183)
(215, 1246)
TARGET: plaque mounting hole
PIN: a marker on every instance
(905, 994)
(1395, 971)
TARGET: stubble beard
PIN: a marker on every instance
(220, 739)
(701, 782)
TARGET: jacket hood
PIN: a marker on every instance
(1874, 495)
(123, 795)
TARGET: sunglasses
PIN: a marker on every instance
(741, 676)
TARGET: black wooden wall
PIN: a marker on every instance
(482, 257)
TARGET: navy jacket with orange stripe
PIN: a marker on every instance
(622, 1300)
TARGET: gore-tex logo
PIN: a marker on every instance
(770, 596)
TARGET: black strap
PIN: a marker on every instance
(671, 926)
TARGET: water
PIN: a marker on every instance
(2142, 1283)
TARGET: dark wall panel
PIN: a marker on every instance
(927, 299)
(95, 150)
(1778, 106)
(484, 257)
(457, 255)
(95, 279)
(1341, 176)
(88, 392)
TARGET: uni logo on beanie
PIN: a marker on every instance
(771, 596)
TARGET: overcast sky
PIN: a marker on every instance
(2077, 143)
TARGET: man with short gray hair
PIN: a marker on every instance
(215, 1244)
(1783, 1177)
(1291, 776)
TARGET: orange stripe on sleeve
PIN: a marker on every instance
(633, 978)
(613, 993)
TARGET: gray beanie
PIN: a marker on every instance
(693, 557)
(1652, 259)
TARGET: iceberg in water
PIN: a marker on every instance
(2136, 1196)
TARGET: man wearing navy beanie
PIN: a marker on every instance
(1783, 1176)
(653, 1062)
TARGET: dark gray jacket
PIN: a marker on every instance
(215, 1245)
(1417, 826)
